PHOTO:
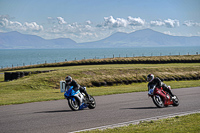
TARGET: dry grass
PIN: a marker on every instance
(123, 60)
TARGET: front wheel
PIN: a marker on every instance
(176, 102)
(73, 104)
(92, 103)
(158, 101)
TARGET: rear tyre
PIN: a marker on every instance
(92, 104)
(176, 101)
(73, 104)
(158, 101)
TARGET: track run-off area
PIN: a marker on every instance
(111, 111)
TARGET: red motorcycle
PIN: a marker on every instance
(161, 98)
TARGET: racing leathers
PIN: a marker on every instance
(158, 83)
(77, 87)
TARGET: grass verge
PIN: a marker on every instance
(45, 86)
(178, 124)
(24, 95)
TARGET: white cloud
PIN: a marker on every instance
(33, 26)
(87, 31)
(169, 23)
(14, 25)
(190, 23)
(88, 22)
(61, 20)
(111, 22)
(168, 33)
(135, 21)
(157, 23)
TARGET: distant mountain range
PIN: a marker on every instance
(16, 40)
(140, 38)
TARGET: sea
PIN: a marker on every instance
(24, 57)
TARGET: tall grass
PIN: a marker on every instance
(123, 60)
(47, 84)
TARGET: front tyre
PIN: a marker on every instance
(92, 103)
(158, 101)
(73, 104)
(176, 102)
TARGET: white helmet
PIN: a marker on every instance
(150, 77)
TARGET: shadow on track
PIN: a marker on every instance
(55, 111)
(142, 108)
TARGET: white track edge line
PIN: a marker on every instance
(140, 120)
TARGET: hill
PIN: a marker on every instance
(16, 40)
(144, 38)
(140, 38)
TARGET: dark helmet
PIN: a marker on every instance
(150, 77)
(68, 80)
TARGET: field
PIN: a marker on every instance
(117, 78)
(107, 77)
(178, 124)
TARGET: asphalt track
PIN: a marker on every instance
(56, 116)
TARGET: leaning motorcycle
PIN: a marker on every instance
(161, 98)
(78, 100)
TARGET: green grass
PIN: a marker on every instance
(45, 86)
(16, 95)
(178, 124)
(1, 77)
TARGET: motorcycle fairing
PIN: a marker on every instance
(83, 105)
(165, 96)
(72, 94)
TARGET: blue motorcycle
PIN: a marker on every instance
(78, 100)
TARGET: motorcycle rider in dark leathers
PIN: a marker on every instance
(70, 82)
(158, 83)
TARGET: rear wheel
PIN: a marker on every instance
(92, 104)
(176, 102)
(73, 104)
(158, 101)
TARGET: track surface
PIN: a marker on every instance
(56, 116)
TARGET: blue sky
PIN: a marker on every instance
(91, 20)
